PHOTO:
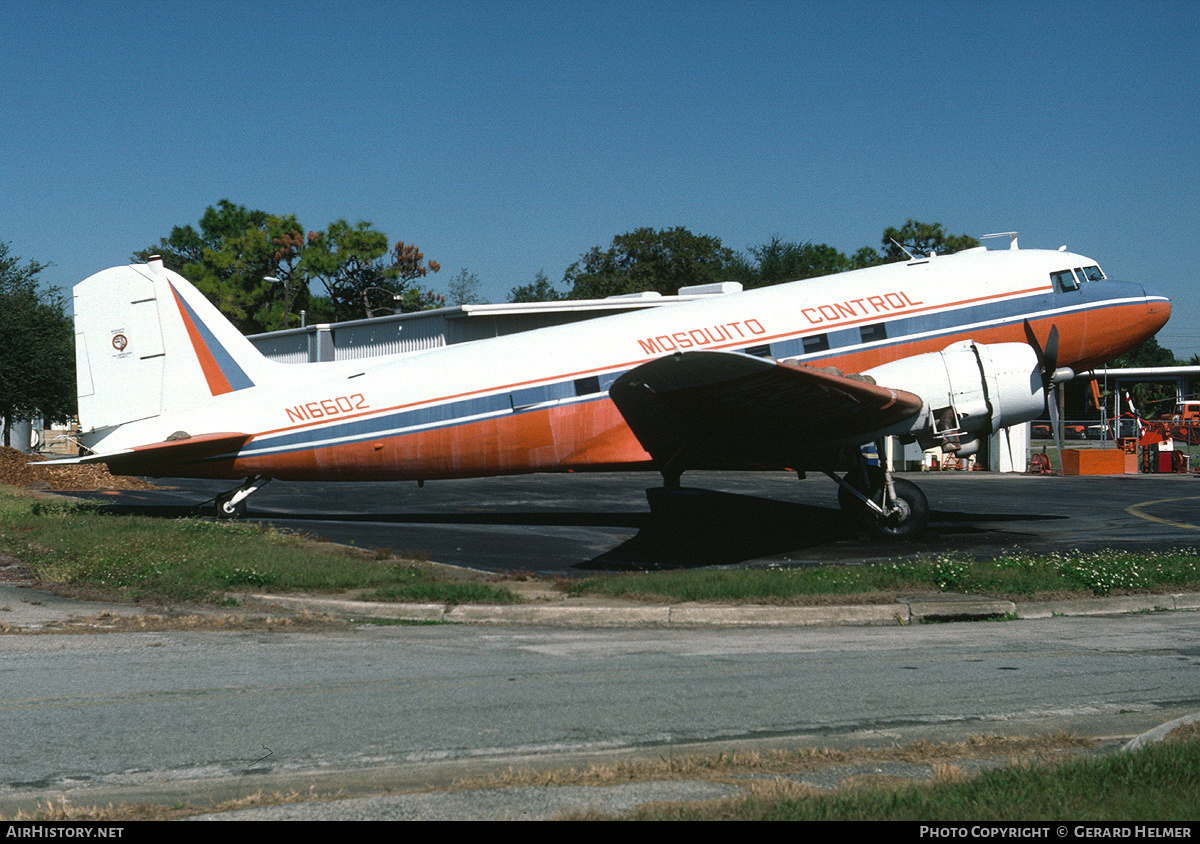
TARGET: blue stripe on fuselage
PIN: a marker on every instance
(900, 330)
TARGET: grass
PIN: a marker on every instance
(1156, 783)
(1012, 575)
(1050, 777)
(196, 560)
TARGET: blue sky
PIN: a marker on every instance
(511, 137)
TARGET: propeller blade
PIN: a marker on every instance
(1047, 357)
(1052, 405)
(1048, 362)
(1032, 340)
(1052, 350)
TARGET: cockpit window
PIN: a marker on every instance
(1093, 273)
(1064, 280)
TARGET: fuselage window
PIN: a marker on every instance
(873, 333)
(587, 386)
(816, 343)
(1063, 281)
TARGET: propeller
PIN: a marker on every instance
(1052, 376)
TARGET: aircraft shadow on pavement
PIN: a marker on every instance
(698, 527)
(684, 528)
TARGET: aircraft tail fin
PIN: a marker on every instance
(148, 343)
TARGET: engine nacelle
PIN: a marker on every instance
(969, 390)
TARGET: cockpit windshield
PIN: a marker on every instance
(1066, 280)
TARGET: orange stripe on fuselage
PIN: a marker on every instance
(891, 353)
(591, 435)
(583, 436)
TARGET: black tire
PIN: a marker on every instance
(909, 523)
(224, 509)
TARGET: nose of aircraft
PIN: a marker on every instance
(1158, 310)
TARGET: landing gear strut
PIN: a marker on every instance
(889, 507)
(232, 504)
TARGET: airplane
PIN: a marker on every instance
(943, 350)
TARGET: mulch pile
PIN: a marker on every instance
(17, 469)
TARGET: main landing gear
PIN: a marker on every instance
(232, 504)
(887, 506)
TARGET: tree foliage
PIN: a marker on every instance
(464, 289)
(259, 268)
(540, 290)
(362, 277)
(231, 259)
(779, 261)
(666, 260)
(649, 260)
(1149, 353)
(37, 358)
(922, 239)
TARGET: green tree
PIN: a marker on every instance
(649, 260)
(464, 289)
(921, 239)
(541, 290)
(258, 268)
(1149, 353)
(362, 277)
(780, 261)
(866, 256)
(244, 261)
(1149, 398)
(37, 358)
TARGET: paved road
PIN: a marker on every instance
(573, 524)
(127, 717)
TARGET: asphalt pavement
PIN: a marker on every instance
(576, 524)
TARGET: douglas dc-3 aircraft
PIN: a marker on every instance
(944, 350)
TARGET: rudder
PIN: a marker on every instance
(148, 343)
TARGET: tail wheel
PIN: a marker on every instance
(226, 509)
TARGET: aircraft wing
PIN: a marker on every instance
(153, 459)
(727, 409)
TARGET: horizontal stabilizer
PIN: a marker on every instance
(162, 458)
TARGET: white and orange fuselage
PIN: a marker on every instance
(159, 365)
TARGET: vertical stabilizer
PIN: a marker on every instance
(148, 343)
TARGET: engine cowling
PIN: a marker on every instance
(969, 389)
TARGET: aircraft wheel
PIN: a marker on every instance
(226, 509)
(910, 519)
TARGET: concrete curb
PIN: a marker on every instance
(1159, 733)
(572, 613)
(23, 608)
(1106, 606)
